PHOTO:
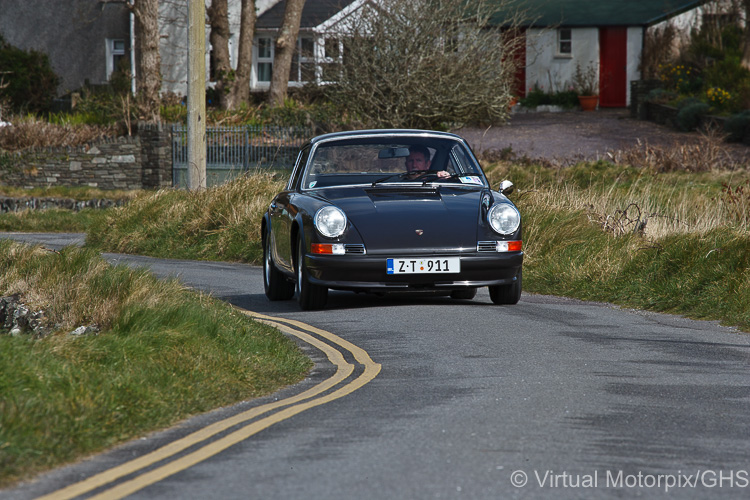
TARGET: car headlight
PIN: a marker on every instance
(504, 218)
(330, 221)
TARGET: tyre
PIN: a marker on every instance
(310, 296)
(275, 284)
(507, 294)
(464, 294)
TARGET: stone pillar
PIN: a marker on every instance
(156, 144)
(639, 90)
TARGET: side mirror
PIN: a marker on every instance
(506, 187)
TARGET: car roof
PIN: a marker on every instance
(351, 134)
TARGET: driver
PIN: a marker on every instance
(418, 163)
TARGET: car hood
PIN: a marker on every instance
(415, 218)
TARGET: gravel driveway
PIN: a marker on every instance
(575, 135)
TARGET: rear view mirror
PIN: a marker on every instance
(393, 153)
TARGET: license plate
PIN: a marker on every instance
(424, 266)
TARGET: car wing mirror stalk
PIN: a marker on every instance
(506, 187)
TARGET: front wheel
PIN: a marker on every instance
(507, 294)
(310, 296)
(275, 284)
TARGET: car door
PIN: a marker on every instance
(283, 212)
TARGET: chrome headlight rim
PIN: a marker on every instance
(330, 221)
(504, 218)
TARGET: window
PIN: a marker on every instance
(303, 61)
(116, 56)
(564, 42)
(265, 59)
(332, 58)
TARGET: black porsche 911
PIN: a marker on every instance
(390, 211)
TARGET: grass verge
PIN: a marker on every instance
(164, 353)
(672, 242)
(50, 221)
(219, 223)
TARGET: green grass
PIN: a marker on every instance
(219, 223)
(692, 259)
(164, 353)
(57, 220)
(50, 221)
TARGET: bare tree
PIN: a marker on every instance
(241, 89)
(148, 60)
(286, 43)
(232, 85)
(746, 35)
(426, 63)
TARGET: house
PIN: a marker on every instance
(560, 35)
(604, 35)
(85, 40)
(319, 45)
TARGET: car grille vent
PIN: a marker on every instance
(487, 246)
(355, 248)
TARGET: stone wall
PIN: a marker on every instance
(139, 162)
(639, 90)
(156, 155)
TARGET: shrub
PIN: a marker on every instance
(29, 82)
(411, 66)
(718, 98)
(689, 115)
(681, 78)
(661, 96)
(537, 97)
(737, 126)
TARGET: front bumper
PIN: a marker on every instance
(368, 272)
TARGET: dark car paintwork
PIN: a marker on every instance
(386, 219)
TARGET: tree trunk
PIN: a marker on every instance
(286, 43)
(148, 60)
(746, 36)
(241, 90)
(218, 17)
(233, 86)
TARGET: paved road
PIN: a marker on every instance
(472, 397)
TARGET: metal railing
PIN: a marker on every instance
(230, 151)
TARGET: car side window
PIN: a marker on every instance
(299, 167)
(461, 162)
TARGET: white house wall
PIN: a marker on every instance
(552, 72)
(173, 45)
(635, 49)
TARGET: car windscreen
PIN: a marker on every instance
(391, 160)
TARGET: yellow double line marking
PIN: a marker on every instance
(310, 398)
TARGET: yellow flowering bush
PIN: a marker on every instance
(680, 77)
(718, 98)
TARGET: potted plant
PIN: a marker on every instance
(586, 83)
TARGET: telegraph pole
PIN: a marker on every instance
(196, 94)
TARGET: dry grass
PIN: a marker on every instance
(31, 132)
(709, 153)
(222, 222)
(70, 285)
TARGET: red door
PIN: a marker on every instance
(613, 75)
(520, 59)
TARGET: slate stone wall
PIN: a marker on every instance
(139, 162)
